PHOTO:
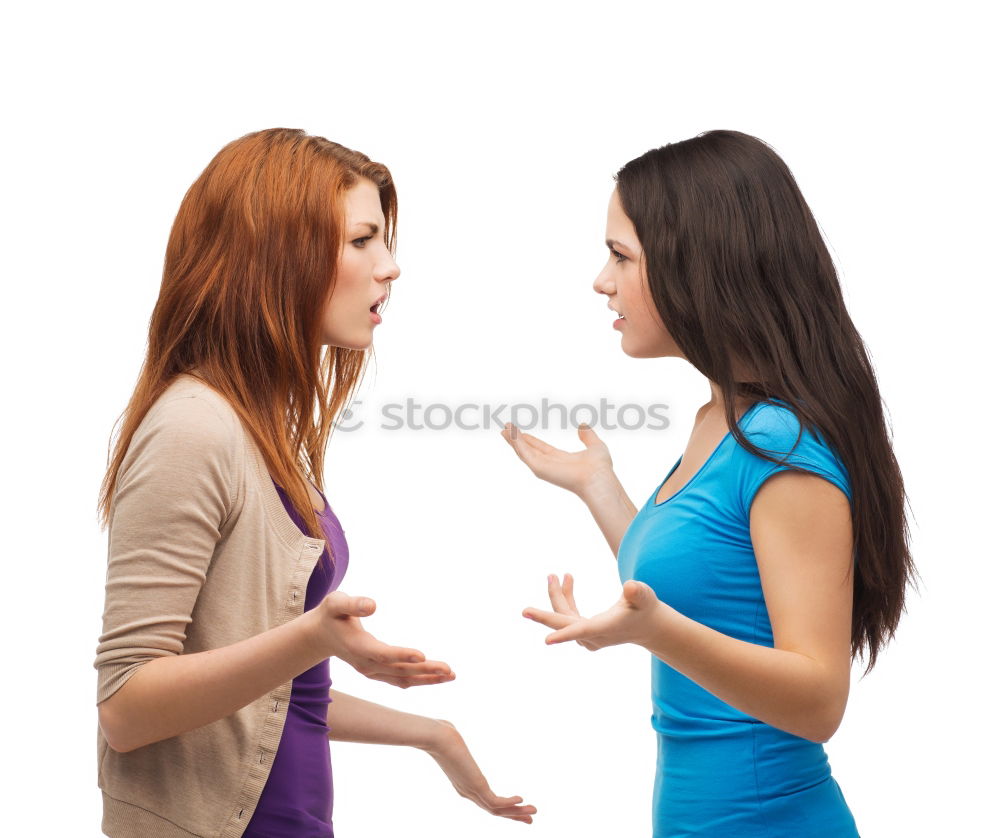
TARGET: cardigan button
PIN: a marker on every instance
(275, 708)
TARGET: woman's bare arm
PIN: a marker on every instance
(353, 719)
(610, 505)
(800, 525)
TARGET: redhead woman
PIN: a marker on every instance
(225, 559)
(775, 550)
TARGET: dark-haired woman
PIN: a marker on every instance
(222, 606)
(775, 549)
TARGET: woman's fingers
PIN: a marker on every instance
(414, 670)
(548, 618)
(538, 445)
(566, 619)
(556, 596)
(495, 801)
(518, 813)
(528, 447)
(382, 662)
(402, 660)
(578, 629)
(506, 807)
(567, 591)
(384, 653)
(514, 434)
(411, 680)
(524, 452)
(509, 804)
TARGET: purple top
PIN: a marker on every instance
(297, 800)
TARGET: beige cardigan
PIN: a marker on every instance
(201, 554)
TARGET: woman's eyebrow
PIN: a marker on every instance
(617, 245)
(373, 228)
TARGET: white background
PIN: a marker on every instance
(503, 126)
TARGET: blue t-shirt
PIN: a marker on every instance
(721, 772)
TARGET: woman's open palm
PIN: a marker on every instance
(570, 470)
(629, 620)
(337, 624)
(452, 754)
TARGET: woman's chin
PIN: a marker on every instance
(645, 351)
(629, 349)
(359, 342)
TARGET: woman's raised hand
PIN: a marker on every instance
(572, 470)
(338, 633)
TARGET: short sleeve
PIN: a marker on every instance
(775, 429)
(175, 490)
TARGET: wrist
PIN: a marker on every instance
(657, 626)
(436, 736)
(599, 485)
(309, 625)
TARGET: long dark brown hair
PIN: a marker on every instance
(250, 264)
(741, 277)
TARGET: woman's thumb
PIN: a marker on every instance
(365, 606)
(356, 606)
(587, 434)
(638, 593)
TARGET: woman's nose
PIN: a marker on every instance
(603, 284)
(390, 271)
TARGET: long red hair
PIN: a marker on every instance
(250, 264)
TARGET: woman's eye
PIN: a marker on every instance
(618, 256)
(360, 242)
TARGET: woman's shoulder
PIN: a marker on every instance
(188, 420)
(189, 400)
(776, 428)
(775, 422)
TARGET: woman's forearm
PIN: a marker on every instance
(174, 694)
(785, 689)
(611, 507)
(353, 719)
